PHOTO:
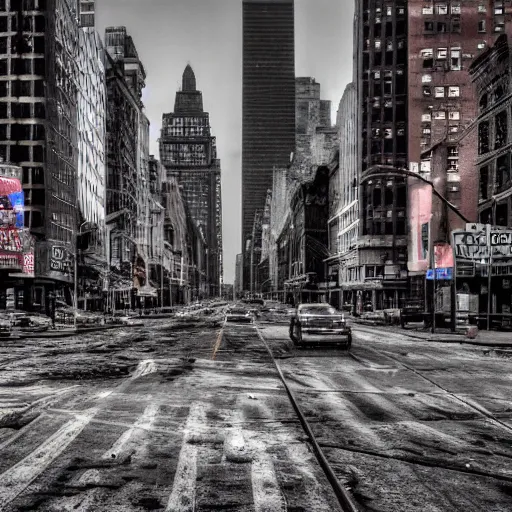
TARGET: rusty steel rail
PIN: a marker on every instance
(344, 498)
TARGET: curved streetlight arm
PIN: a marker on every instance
(406, 172)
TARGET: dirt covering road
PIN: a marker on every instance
(184, 417)
(411, 425)
(153, 418)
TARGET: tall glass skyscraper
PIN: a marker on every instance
(268, 136)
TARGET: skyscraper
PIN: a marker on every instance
(188, 152)
(268, 121)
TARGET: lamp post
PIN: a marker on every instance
(78, 233)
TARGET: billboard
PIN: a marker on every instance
(11, 222)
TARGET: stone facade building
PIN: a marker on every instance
(129, 200)
(188, 152)
(344, 221)
(492, 75)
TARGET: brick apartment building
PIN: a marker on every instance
(418, 108)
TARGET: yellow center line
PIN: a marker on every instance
(217, 343)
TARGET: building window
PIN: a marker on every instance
(453, 159)
(428, 27)
(427, 10)
(454, 115)
(483, 137)
(484, 183)
(440, 114)
(484, 100)
(456, 25)
(453, 91)
(482, 8)
(426, 118)
(442, 53)
(455, 61)
(501, 130)
(439, 92)
(481, 26)
(482, 45)
(503, 170)
(441, 9)
(426, 79)
(427, 91)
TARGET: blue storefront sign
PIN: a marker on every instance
(442, 274)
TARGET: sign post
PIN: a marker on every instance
(489, 278)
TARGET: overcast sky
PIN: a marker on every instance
(207, 34)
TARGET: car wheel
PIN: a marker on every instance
(292, 335)
(299, 338)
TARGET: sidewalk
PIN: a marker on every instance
(483, 338)
(64, 332)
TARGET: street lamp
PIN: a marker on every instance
(78, 232)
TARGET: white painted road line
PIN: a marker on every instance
(266, 493)
(183, 495)
(16, 479)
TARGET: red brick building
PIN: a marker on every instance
(443, 39)
(417, 109)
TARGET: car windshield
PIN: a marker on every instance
(318, 309)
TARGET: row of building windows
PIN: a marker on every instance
(389, 46)
(496, 91)
(20, 66)
(27, 5)
(439, 57)
(493, 135)
(447, 91)
(180, 131)
(186, 121)
(495, 176)
(441, 9)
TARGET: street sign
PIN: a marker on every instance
(442, 274)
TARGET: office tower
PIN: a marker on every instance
(268, 119)
(189, 154)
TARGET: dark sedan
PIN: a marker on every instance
(239, 314)
(319, 323)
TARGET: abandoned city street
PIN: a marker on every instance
(194, 417)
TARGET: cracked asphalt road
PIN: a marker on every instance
(161, 418)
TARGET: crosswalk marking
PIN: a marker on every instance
(21, 475)
(266, 493)
(183, 495)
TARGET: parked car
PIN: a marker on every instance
(319, 323)
(238, 314)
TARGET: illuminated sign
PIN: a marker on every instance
(442, 274)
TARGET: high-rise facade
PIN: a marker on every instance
(417, 111)
(381, 70)
(268, 118)
(129, 199)
(444, 39)
(189, 154)
(38, 132)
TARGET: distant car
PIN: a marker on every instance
(319, 323)
(239, 315)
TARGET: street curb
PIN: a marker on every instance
(461, 340)
(72, 332)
